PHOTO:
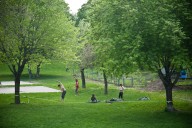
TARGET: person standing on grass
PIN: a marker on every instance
(121, 89)
(63, 90)
(76, 86)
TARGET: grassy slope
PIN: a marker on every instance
(45, 110)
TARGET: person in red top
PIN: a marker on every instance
(76, 86)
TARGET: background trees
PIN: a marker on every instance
(85, 53)
(140, 34)
(123, 35)
(32, 30)
(183, 12)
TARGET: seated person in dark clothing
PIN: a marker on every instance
(93, 99)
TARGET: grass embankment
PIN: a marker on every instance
(45, 110)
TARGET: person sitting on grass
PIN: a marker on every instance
(93, 99)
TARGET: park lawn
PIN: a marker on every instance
(45, 110)
(102, 115)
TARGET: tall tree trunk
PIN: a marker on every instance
(167, 82)
(17, 75)
(105, 83)
(17, 89)
(30, 72)
(169, 99)
(38, 70)
(83, 78)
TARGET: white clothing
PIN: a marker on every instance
(121, 88)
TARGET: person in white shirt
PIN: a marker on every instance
(121, 89)
(63, 90)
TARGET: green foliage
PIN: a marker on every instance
(85, 51)
(162, 35)
(133, 34)
(128, 35)
(34, 31)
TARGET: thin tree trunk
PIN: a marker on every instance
(30, 72)
(166, 79)
(17, 89)
(83, 78)
(105, 83)
(169, 99)
(38, 70)
(17, 75)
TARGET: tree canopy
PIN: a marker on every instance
(140, 34)
(33, 30)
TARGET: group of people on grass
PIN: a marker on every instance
(63, 89)
(93, 97)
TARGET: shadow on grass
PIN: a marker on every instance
(6, 77)
(42, 77)
(154, 119)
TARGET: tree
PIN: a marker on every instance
(161, 48)
(183, 12)
(86, 54)
(85, 50)
(27, 28)
(111, 39)
(131, 34)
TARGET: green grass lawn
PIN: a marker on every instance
(45, 110)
